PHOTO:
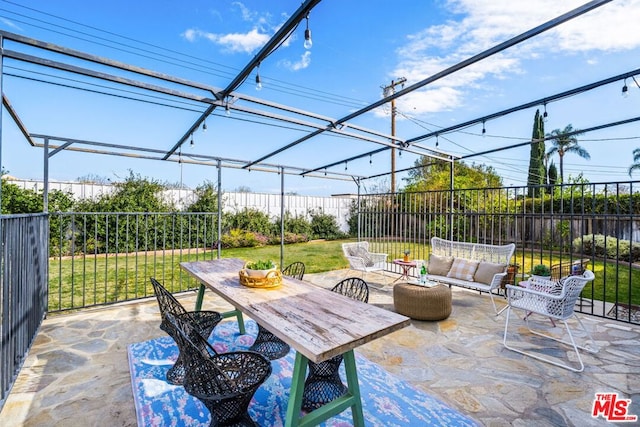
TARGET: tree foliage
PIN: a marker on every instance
(17, 200)
(430, 175)
(565, 141)
(134, 194)
(206, 198)
(537, 170)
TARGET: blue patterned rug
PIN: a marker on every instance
(387, 401)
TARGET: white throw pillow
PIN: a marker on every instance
(463, 269)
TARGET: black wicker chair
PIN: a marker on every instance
(224, 382)
(295, 270)
(323, 383)
(267, 343)
(203, 321)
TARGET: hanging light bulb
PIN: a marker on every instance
(307, 36)
(258, 80)
(484, 131)
(204, 126)
(436, 140)
(227, 110)
(191, 143)
(625, 89)
(345, 166)
(370, 160)
(545, 115)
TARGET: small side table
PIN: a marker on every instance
(406, 267)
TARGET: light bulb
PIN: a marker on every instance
(258, 82)
(307, 39)
(227, 110)
(625, 91)
(204, 126)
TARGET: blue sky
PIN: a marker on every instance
(358, 47)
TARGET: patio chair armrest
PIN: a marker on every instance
(497, 280)
(378, 257)
(512, 291)
(356, 263)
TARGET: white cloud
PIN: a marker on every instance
(233, 42)
(247, 14)
(304, 62)
(248, 42)
(485, 23)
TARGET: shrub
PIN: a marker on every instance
(607, 247)
(324, 226)
(250, 220)
(237, 238)
(296, 225)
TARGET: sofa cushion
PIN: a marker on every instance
(360, 252)
(439, 265)
(463, 269)
(486, 271)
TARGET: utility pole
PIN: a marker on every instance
(387, 91)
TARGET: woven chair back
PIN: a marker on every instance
(354, 288)
(198, 354)
(294, 270)
(499, 254)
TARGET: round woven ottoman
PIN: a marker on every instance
(422, 303)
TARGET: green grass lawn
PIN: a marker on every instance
(99, 279)
(96, 280)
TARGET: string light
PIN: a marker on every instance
(258, 80)
(545, 115)
(436, 139)
(625, 89)
(307, 36)
(345, 166)
(204, 126)
(191, 143)
(370, 160)
(227, 110)
(484, 131)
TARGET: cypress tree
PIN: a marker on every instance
(537, 171)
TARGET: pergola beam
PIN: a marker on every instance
(283, 33)
(457, 67)
(540, 101)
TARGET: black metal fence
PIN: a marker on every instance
(23, 291)
(595, 223)
(104, 258)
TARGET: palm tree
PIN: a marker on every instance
(563, 142)
(636, 161)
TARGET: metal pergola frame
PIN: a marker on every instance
(210, 98)
(317, 124)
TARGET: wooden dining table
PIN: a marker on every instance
(316, 322)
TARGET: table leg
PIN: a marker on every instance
(236, 313)
(351, 399)
(354, 388)
(200, 297)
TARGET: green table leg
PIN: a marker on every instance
(351, 399)
(354, 388)
(238, 314)
(297, 387)
(200, 297)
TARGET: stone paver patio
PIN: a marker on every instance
(77, 372)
